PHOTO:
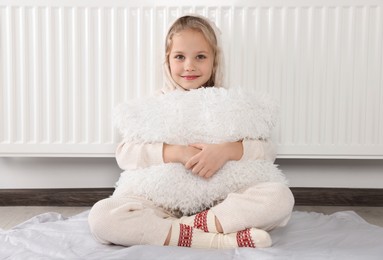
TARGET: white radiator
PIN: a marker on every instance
(65, 64)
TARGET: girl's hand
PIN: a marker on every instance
(187, 153)
(178, 153)
(212, 157)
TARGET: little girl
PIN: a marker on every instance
(194, 60)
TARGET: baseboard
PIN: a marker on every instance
(338, 197)
(87, 197)
(53, 197)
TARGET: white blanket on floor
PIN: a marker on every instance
(343, 235)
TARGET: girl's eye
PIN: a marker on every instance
(201, 57)
(179, 57)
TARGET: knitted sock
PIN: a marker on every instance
(204, 220)
(187, 236)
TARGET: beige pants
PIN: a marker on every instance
(136, 221)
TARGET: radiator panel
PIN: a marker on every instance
(65, 65)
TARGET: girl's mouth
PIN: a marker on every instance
(192, 77)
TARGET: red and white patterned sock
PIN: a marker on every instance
(204, 220)
(187, 236)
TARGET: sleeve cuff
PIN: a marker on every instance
(258, 150)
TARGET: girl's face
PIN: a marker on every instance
(191, 59)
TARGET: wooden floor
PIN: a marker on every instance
(11, 216)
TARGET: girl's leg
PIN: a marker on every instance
(129, 221)
(126, 221)
(204, 220)
(187, 236)
(264, 206)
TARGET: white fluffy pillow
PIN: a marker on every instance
(181, 192)
(207, 115)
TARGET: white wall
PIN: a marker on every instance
(104, 172)
(333, 173)
(58, 172)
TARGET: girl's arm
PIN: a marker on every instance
(259, 150)
(131, 156)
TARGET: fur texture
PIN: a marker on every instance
(211, 115)
(205, 115)
(181, 192)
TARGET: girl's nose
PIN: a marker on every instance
(189, 66)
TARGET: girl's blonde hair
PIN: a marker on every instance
(211, 34)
